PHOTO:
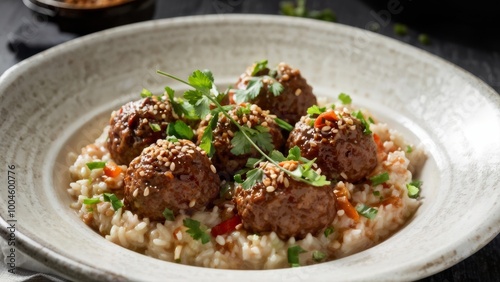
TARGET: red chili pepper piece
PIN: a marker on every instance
(226, 226)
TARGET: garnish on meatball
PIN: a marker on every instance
(286, 206)
(174, 175)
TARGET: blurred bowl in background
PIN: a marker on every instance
(87, 16)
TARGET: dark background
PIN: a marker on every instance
(466, 33)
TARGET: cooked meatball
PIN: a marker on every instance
(135, 126)
(286, 206)
(247, 115)
(178, 176)
(293, 101)
(342, 150)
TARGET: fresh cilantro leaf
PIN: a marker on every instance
(240, 143)
(409, 149)
(146, 93)
(283, 124)
(263, 139)
(277, 156)
(366, 125)
(324, 15)
(371, 120)
(259, 66)
(276, 88)
(172, 139)
(366, 211)
(345, 99)
(253, 89)
(183, 130)
(237, 178)
(208, 74)
(195, 230)
(193, 96)
(243, 110)
(168, 214)
(294, 154)
(251, 162)
(379, 179)
(400, 29)
(206, 141)
(416, 183)
(201, 81)
(293, 255)
(155, 127)
(254, 176)
(315, 110)
(318, 256)
(115, 202)
(328, 231)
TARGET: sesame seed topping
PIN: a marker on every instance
(136, 192)
(172, 166)
(352, 127)
(142, 173)
(192, 203)
(270, 189)
(249, 124)
(298, 92)
(286, 182)
(285, 77)
(264, 124)
(343, 175)
(212, 167)
(190, 151)
(146, 192)
(326, 128)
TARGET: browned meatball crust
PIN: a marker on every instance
(342, 150)
(133, 127)
(281, 204)
(226, 162)
(292, 103)
(178, 176)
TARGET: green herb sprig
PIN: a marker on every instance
(203, 95)
(256, 83)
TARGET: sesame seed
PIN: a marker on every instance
(172, 166)
(192, 203)
(267, 182)
(212, 167)
(352, 127)
(285, 181)
(164, 116)
(349, 121)
(249, 124)
(253, 107)
(146, 192)
(326, 128)
(270, 189)
(280, 178)
(264, 123)
(285, 77)
(343, 175)
(190, 151)
(244, 119)
(230, 133)
(167, 164)
(298, 92)
(136, 192)
(340, 212)
(335, 130)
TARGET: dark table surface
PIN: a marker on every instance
(471, 42)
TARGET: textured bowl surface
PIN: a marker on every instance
(58, 101)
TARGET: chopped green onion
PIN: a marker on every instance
(366, 211)
(366, 125)
(115, 202)
(96, 165)
(155, 127)
(409, 149)
(414, 189)
(318, 256)
(146, 93)
(283, 124)
(91, 201)
(379, 179)
(371, 120)
(345, 99)
(328, 231)
(293, 255)
(168, 214)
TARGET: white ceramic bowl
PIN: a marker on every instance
(58, 101)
